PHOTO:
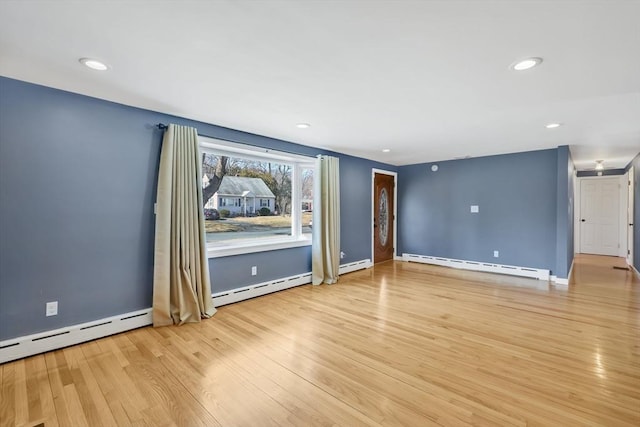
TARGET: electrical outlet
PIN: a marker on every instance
(475, 208)
(52, 308)
(496, 254)
(342, 255)
(254, 270)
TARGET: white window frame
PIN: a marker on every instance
(297, 239)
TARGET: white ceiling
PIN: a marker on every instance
(428, 79)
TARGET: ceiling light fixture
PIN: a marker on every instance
(94, 64)
(553, 125)
(599, 165)
(386, 150)
(526, 64)
(303, 125)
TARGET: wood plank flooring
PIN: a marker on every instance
(398, 344)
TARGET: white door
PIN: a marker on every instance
(630, 217)
(599, 215)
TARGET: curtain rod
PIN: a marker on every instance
(162, 126)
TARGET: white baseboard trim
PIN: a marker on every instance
(264, 288)
(29, 345)
(356, 265)
(571, 270)
(17, 348)
(633, 269)
(259, 289)
(398, 258)
(479, 266)
(561, 280)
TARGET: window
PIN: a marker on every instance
(262, 198)
(226, 201)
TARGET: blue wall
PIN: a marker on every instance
(636, 209)
(564, 213)
(77, 187)
(233, 272)
(571, 169)
(517, 198)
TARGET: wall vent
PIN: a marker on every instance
(29, 345)
(259, 289)
(512, 270)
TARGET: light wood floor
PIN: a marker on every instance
(398, 344)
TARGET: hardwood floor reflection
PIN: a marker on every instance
(398, 344)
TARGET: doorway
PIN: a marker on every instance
(383, 233)
(599, 216)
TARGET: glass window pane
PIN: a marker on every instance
(245, 198)
(306, 199)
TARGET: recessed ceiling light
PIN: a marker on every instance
(94, 64)
(386, 150)
(526, 64)
(303, 125)
(552, 125)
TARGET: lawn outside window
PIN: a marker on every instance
(263, 198)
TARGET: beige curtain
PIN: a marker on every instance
(325, 248)
(181, 284)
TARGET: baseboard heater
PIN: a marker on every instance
(29, 345)
(259, 289)
(513, 270)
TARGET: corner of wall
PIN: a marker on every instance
(564, 211)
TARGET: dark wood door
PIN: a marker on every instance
(383, 217)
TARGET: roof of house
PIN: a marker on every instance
(239, 185)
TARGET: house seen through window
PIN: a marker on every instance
(255, 196)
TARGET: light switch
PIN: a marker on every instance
(475, 208)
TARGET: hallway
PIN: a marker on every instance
(607, 271)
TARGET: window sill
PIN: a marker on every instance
(249, 247)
